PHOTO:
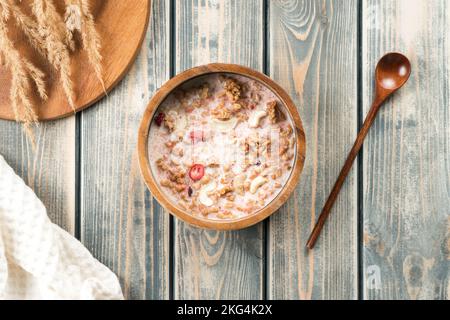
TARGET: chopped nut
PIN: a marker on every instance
(208, 210)
(221, 112)
(232, 89)
(229, 205)
(242, 117)
(238, 184)
(180, 187)
(206, 179)
(224, 214)
(224, 190)
(272, 111)
(174, 161)
(175, 174)
(284, 146)
(165, 183)
(256, 172)
(178, 151)
(277, 174)
(196, 104)
(169, 122)
(161, 163)
(230, 197)
(236, 107)
(286, 131)
(170, 144)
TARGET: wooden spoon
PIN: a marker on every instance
(392, 72)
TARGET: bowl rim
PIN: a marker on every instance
(165, 90)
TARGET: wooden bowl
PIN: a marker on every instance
(166, 202)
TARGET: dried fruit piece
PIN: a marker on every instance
(197, 172)
(160, 118)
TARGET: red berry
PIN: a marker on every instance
(159, 119)
(197, 136)
(197, 172)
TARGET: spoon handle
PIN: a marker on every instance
(344, 172)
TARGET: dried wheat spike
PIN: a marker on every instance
(79, 18)
(20, 82)
(53, 31)
(28, 26)
(72, 19)
(4, 4)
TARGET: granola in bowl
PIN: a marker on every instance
(221, 146)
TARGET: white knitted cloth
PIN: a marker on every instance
(39, 260)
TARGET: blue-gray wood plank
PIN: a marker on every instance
(121, 224)
(211, 264)
(406, 195)
(313, 54)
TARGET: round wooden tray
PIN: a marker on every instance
(159, 194)
(122, 26)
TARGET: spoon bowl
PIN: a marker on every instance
(392, 71)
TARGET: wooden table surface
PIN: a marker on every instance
(389, 233)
